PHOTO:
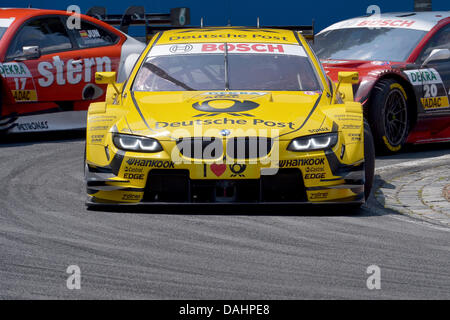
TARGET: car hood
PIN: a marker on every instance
(192, 114)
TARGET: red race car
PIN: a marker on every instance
(47, 66)
(403, 60)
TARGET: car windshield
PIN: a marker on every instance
(378, 44)
(237, 66)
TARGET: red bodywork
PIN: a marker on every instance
(55, 96)
(425, 128)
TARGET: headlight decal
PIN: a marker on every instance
(136, 143)
(314, 142)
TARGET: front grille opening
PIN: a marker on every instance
(176, 186)
(167, 186)
(209, 191)
(248, 147)
(286, 185)
(200, 148)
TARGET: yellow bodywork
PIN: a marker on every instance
(121, 176)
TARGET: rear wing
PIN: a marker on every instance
(135, 15)
(306, 31)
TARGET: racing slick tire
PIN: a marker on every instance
(389, 116)
(369, 169)
(369, 160)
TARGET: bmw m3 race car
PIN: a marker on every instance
(228, 115)
(48, 61)
(403, 60)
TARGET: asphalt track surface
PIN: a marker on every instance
(209, 253)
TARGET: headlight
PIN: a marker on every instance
(315, 142)
(135, 143)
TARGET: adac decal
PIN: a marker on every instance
(237, 169)
(24, 95)
(435, 102)
(71, 72)
(151, 163)
(237, 108)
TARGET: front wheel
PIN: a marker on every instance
(388, 115)
(369, 160)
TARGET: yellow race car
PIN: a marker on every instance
(228, 115)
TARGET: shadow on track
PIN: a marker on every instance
(23, 139)
(306, 210)
(419, 151)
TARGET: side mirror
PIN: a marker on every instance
(437, 54)
(346, 78)
(106, 78)
(29, 53)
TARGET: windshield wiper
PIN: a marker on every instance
(227, 83)
(163, 74)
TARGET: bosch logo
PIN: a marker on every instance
(181, 48)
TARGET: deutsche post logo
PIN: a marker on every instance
(231, 107)
(238, 169)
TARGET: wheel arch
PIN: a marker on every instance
(411, 97)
